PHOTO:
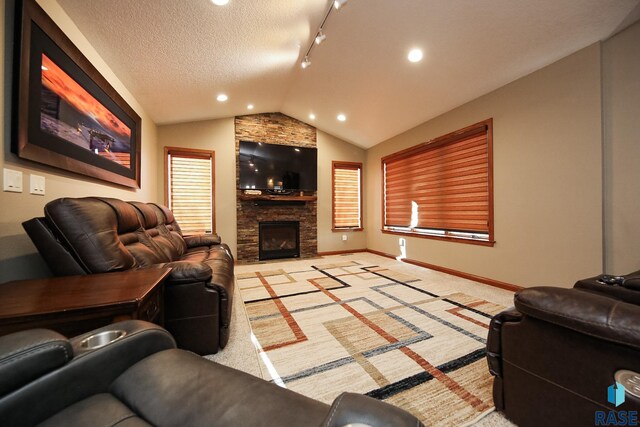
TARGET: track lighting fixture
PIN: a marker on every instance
(320, 35)
(339, 3)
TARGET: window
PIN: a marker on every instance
(443, 188)
(189, 188)
(347, 195)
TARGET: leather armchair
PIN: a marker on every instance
(99, 235)
(140, 379)
(556, 353)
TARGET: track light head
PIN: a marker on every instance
(305, 63)
(320, 37)
(339, 3)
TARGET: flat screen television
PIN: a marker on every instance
(277, 168)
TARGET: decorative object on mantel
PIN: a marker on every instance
(278, 198)
(68, 115)
(253, 192)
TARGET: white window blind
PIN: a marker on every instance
(347, 197)
(190, 189)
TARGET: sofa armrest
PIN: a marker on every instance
(585, 312)
(27, 355)
(183, 272)
(357, 409)
(494, 340)
(202, 240)
(628, 290)
(89, 372)
(58, 258)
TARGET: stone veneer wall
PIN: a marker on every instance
(273, 128)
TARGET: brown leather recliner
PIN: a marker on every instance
(100, 235)
(555, 355)
(141, 379)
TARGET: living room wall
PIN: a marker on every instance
(547, 178)
(219, 135)
(18, 257)
(621, 108)
(331, 148)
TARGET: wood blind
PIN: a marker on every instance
(442, 185)
(347, 195)
(190, 189)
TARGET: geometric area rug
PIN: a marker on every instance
(409, 336)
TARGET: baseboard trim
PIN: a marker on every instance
(384, 254)
(485, 280)
(352, 251)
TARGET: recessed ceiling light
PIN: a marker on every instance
(250, 106)
(219, 2)
(312, 116)
(222, 97)
(342, 117)
(415, 55)
(297, 149)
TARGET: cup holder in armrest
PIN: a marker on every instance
(101, 339)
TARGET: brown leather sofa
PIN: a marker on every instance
(556, 353)
(140, 379)
(100, 235)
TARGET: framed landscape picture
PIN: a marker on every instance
(67, 114)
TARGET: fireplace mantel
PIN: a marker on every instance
(275, 198)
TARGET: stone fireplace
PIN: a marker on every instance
(274, 128)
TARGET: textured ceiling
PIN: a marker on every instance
(175, 56)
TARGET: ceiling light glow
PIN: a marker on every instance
(342, 117)
(250, 107)
(312, 116)
(222, 97)
(306, 63)
(219, 2)
(415, 55)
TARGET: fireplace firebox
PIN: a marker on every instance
(279, 239)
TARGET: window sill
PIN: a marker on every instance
(337, 230)
(456, 239)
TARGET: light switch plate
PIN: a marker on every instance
(12, 181)
(36, 184)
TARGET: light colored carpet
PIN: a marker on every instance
(364, 323)
(240, 353)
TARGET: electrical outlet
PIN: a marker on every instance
(12, 181)
(36, 184)
(344, 237)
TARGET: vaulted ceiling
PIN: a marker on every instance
(176, 56)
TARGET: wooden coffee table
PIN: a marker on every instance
(73, 305)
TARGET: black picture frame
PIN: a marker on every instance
(66, 114)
